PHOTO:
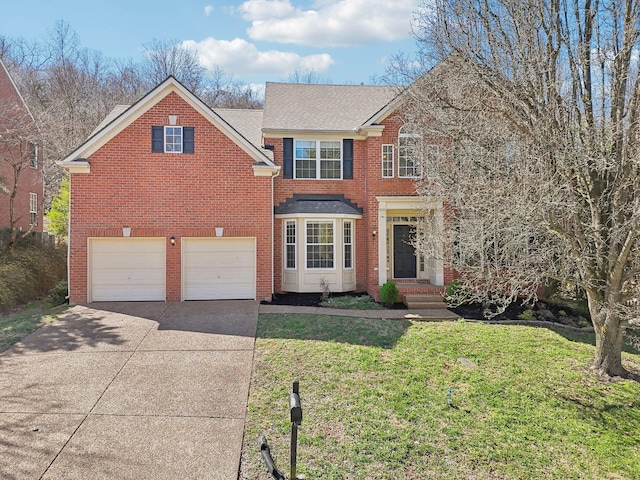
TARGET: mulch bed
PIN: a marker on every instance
(542, 312)
(314, 299)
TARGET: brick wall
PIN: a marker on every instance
(164, 195)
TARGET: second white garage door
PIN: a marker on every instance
(218, 268)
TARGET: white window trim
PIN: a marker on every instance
(306, 243)
(393, 160)
(167, 127)
(317, 141)
(295, 245)
(33, 208)
(432, 151)
(352, 243)
(33, 163)
(417, 165)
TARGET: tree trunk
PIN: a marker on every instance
(609, 334)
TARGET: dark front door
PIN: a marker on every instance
(404, 254)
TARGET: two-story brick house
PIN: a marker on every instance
(171, 200)
(19, 153)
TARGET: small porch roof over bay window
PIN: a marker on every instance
(323, 204)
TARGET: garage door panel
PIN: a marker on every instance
(125, 260)
(220, 261)
(127, 269)
(217, 269)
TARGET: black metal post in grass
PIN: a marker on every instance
(295, 410)
(296, 419)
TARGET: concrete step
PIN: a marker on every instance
(424, 301)
(426, 305)
(423, 297)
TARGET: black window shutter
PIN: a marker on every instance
(287, 149)
(187, 140)
(347, 159)
(157, 139)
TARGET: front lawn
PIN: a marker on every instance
(18, 324)
(376, 402)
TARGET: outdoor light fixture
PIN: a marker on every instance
(374, 232)
(173, 241)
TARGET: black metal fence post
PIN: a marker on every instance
(296, 419)
(295, 410)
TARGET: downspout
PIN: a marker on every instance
(69, 244)
(273, 228)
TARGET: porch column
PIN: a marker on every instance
(382, 243)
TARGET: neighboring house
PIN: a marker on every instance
(171, 200)
(22, 155)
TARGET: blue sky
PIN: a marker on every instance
(344, 41)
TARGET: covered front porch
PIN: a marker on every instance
(418, 277)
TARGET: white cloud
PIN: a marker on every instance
(258, 10)
(208, 9)
(330, 23)
(240, 57)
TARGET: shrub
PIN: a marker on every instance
(28, 272)
(389, 293)
(454, 295)
(325, 289)
(526, 315)
(58, 294)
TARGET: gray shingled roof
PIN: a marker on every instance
(292, 106)
(111, 116)
(318, 203)
(247, 123)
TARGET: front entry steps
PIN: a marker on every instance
(424, 301)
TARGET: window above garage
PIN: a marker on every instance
(172, 139)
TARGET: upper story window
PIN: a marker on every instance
(388, 159)
(409, 152)
(318, 159)
(33, 209)
(432, 159)
(172, 139)
(33, 155)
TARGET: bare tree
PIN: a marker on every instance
(18, 139)
(223, 91)
(531, 122)
(164, 58)
(307, 76)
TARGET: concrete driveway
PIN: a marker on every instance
(129, 391)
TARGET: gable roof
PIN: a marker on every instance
(10, 90)
(122, 116)
(291, 107)
(247, 122)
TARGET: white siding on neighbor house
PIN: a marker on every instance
(126, 269)
(218, 268)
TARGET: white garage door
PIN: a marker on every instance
(127, 269)
(218, 268)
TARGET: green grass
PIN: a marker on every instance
(17, 325)
(374, 397)
(348, 302)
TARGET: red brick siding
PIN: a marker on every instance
(164, 195)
